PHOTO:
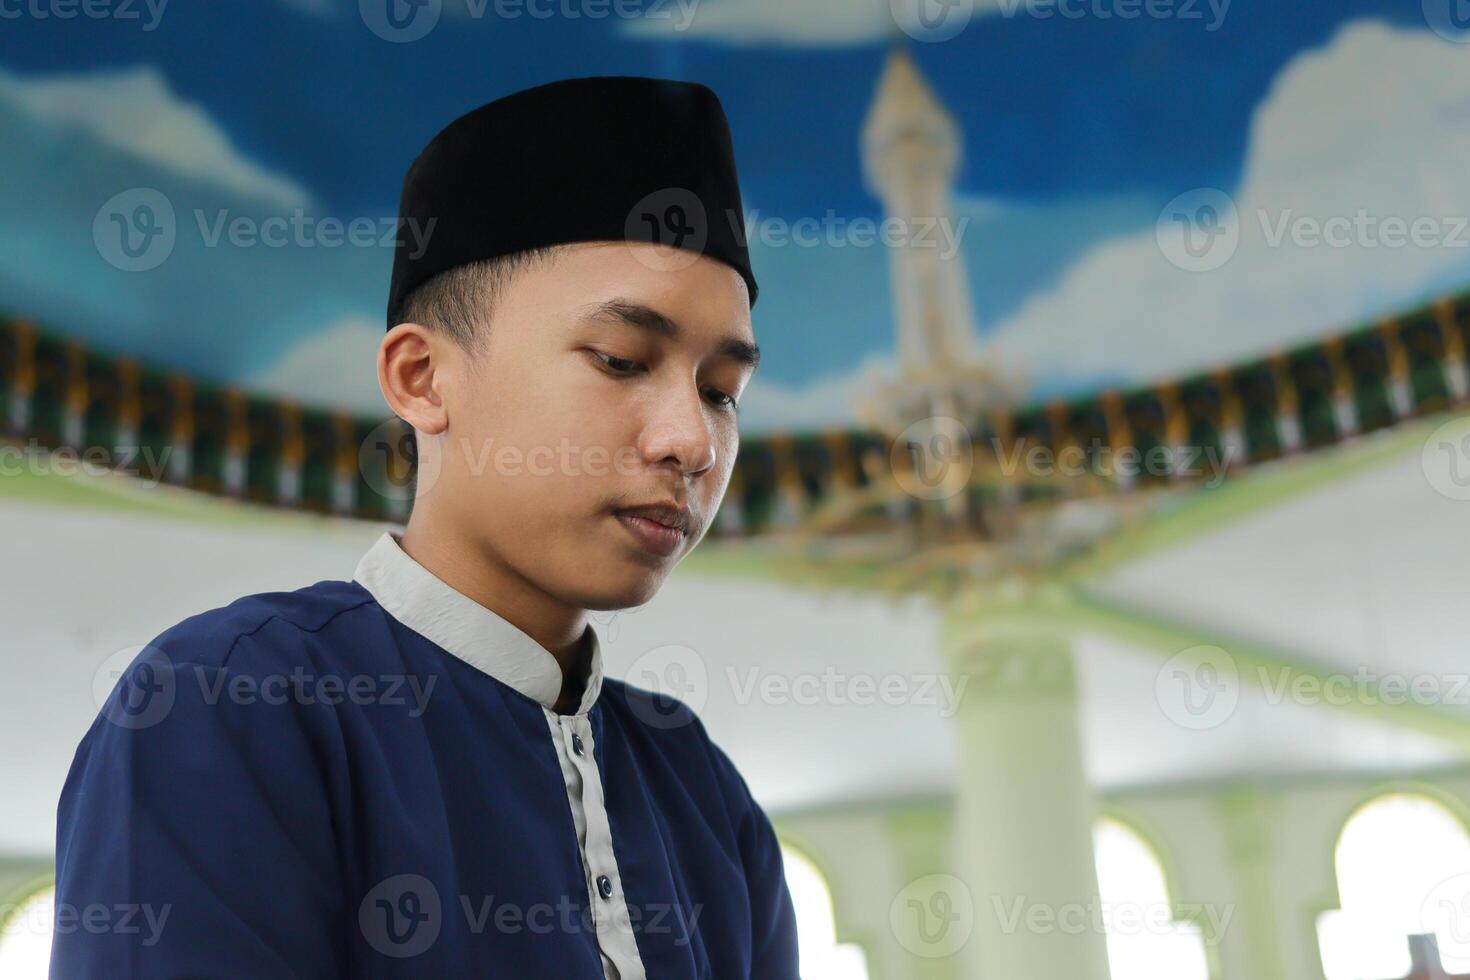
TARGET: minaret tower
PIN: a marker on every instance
(910, 154)
(911, 151)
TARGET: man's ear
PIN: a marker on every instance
(409, 362)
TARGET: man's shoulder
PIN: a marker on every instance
(221, 676)
(255, 625)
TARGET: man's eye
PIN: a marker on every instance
(621, 365)
(721, 399)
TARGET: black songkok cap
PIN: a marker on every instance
(611, 158)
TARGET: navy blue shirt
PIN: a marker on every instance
(367, 779)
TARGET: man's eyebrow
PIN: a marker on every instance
(647, 318)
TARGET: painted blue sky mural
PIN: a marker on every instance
(1085, 125)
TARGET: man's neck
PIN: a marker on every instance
(557, 627)
(574, 673)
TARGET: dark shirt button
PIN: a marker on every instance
(604, 886)
(577, 744)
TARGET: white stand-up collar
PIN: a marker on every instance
(429, 606)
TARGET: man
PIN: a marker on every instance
(423, 772)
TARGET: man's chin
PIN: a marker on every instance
(623, 588)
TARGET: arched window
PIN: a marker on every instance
(1403, 869)
(822, 957)
(1144, 940)
(25, 936)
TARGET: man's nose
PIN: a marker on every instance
(678, 431)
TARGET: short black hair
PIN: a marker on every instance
(458, 301)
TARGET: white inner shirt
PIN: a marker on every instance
(429, 606)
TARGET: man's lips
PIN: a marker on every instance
(667, 514)
(660, 528)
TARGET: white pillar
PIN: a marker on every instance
(1024, 812)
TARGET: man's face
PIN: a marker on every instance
(606, 384)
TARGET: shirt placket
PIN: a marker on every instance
(608, 904)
